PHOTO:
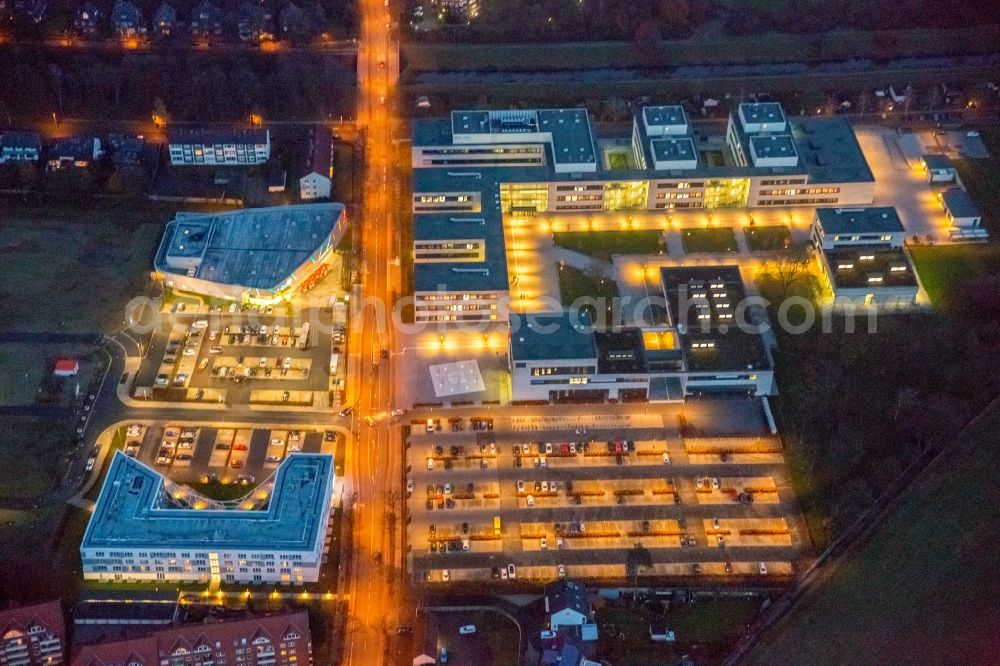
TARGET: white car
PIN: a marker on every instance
(762, 568)
(560, 543)
(467, 630)
(190, 351)
(200, 324)
(90, 464)
(277, 441)
(465, 544)
(397, 412)
(530, 500)
(544, 463)
(511, 571)
(445, 575)
(409, 485)
(543, 543)
(520, 486)
(562, 570)
(447, 489)
(715, 483)
(547, 634)
(572, 448)
(548, 448)
(430, 463)
(666, 458)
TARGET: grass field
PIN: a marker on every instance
(24, 366)
(923, 590)
(603, 244)
(764, 239)
(33, 454)
(706, 50)
(74, 269)
(574, 284)
(721, 239)
(943, 268)
(710, 623)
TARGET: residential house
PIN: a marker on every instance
(253, 23)
(164, 20)
(206, 20)
(278, 640)
(32, 11)
(126, 19)
(317, 170)
(239, 147)
(88, 16)
(126, 150)
(74, 152)
(20, 146)
(33, 635)
(294, 22)
(567, 604)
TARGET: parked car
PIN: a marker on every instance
(467, 630)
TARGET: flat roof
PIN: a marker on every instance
(773, 145)
(135, 511)
(877, 219)
(716, 342)
(257, 248)
(855, 267)
(572, 140)
(659, 116)
(673, 148)
(762, 112)
(559, 336)
(213, 135)
(960, 203)
(937, 161)
(457, 378)
(829, 151)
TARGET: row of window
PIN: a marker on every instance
(563, 370)
(798, 202)
(800, 190)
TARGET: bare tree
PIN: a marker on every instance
(636, 558)
(785, 276)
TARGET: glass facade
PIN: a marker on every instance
(626, 195)
(524, 198)
(727, 192)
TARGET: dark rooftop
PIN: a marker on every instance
(211, 135)
(562, 335)
(960, 203)
(861, 267)
(878, 219)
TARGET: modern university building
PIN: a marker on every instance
(254, 255)
(474, 168)
(147, 528)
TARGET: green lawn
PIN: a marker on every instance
(603, 244)
(712, 239)
(982, 179)
(764, 239)
(617, 161)
(574, 284)
(919, 590)
(943, 268)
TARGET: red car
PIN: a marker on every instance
(618, 447)
(565, 449)
(237, 464)
(240, 447)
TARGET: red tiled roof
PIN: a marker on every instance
(149, 651)
(48, 615)
(67, 365)
(319, 151)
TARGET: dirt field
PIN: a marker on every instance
(73, 270)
